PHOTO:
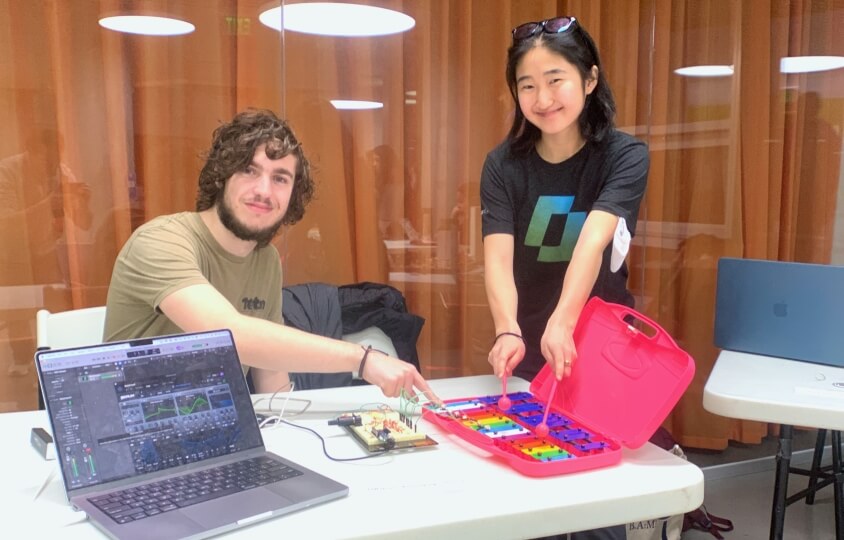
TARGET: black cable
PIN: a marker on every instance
(325, 450)
(346, 420)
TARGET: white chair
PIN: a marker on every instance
(374, 337)
(368, 337)
(73, 328)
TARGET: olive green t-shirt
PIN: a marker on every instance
(172, 252)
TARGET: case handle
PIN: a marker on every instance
(660, 336)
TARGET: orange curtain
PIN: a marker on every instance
(56, 154)
(104, 131)
(399, 198)
(416, 163)
(753, 172)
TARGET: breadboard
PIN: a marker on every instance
(388, 430)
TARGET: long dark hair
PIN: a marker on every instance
(233, 147)
(578, 48)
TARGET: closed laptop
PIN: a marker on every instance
(782, 309)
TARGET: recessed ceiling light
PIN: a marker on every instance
(334, 19)
(705, 71)
(809, 64)
(147, 25)
(355, 105)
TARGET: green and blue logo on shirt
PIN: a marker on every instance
(548, 206)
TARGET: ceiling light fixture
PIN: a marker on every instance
(705, 71)
(355, 105)
(147, 25)
(810, 64)
(335, 19)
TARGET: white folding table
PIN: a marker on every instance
(453, 490)
(785, 392)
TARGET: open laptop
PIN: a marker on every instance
(782, 309)
(158, 437)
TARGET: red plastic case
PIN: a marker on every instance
(622, 387)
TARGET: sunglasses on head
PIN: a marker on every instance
(556, 25)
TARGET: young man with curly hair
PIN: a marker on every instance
(215, 267)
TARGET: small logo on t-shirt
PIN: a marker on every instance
(253, 304)
(546, 207)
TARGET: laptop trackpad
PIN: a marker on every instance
(233, 508)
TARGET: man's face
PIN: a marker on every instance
(255, 200)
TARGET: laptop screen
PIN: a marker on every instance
(127, 408)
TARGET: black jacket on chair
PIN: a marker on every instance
(374, 304)
(314, 308)
(333, 311)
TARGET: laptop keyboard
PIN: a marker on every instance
(152, 499)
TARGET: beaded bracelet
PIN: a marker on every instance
(508, 334)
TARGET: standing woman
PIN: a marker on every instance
(554, 195)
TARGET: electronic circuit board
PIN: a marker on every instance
(388, 430)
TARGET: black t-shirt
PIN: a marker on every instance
(544, 206)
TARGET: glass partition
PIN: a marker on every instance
(740, 104)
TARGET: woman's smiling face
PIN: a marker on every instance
(551, 91)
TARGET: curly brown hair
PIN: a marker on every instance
(233, 147)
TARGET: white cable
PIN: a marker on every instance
(45, 482)
(277, 418)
